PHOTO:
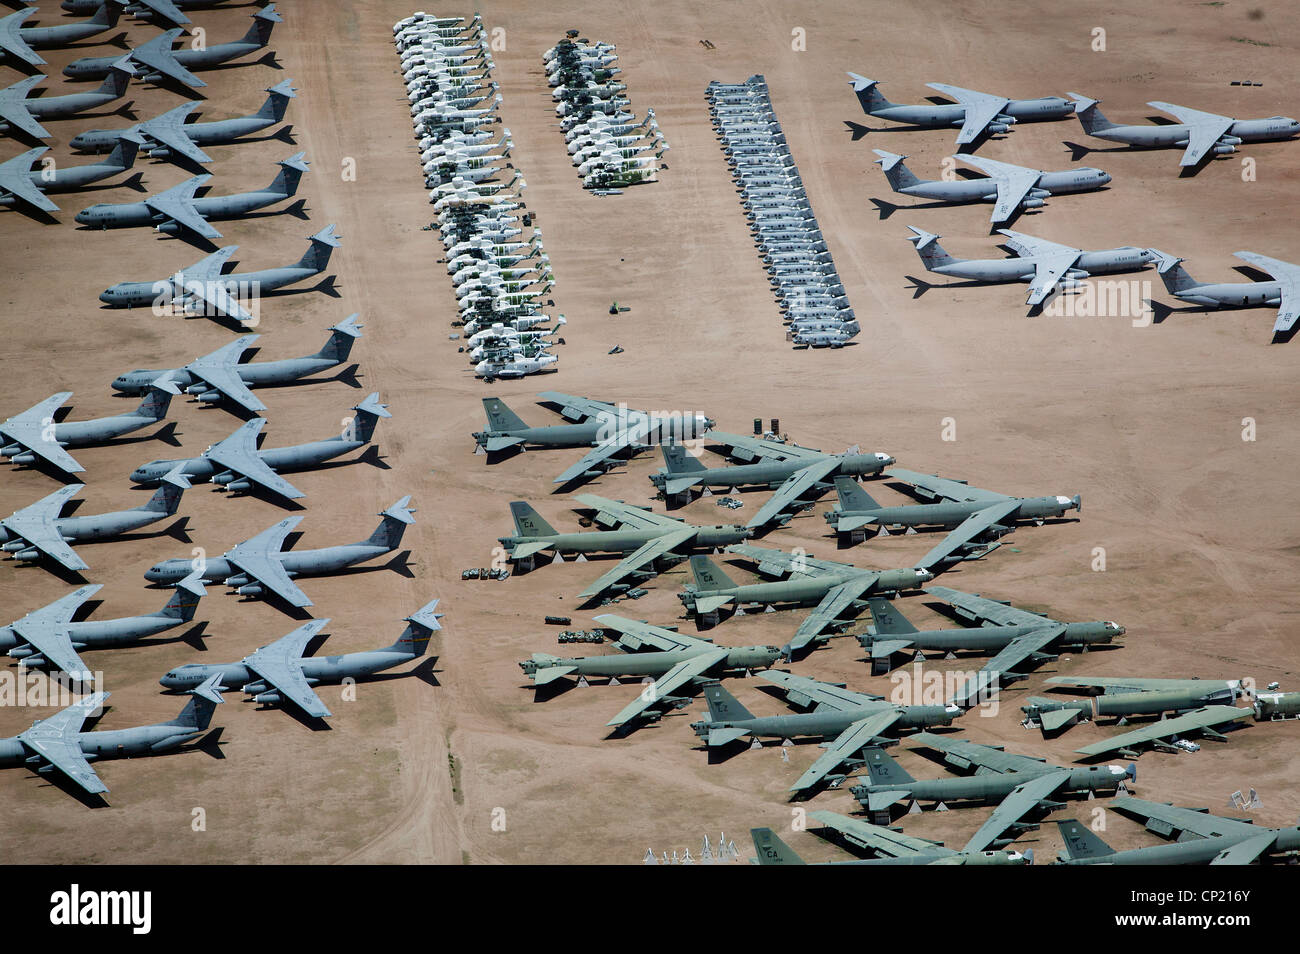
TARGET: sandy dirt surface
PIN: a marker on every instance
(1198, 527)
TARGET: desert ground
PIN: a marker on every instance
(458, 762)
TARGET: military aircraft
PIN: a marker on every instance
(57, 744)
(55, 178)
(672, 662)
(16, 185)
(169, 135)
(1017, 784)
(169, 10)
(974, 513)
(24, 114)
(1197, 133)
(260, 567)
(1165, 735)
(834, 588)
(976, 114)
(33, 435)
(1046, 266)
(1119, 697)
(20, 43)
(506, 430)
(795, 473)
(646, 539)
(1199, 838)
(235, 463)
(1009, 187)
(204, 288)
(178, 210)
(157, 60)
(625, 433)
(1283, 292)
(850, 720)
(278, 673)
(38, 531)
(219, 376)
(890, 847)
(48, 637)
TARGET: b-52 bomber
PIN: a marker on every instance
(795, 473)
(851, 721)
(974, 514)
(1046, 266)
(235, 464)
(48, 637)
(1118, 697)
(261, 567)
(278, 673)
(38, 531)
(976, 114)
(22, 113)
(889, 847)
(675, 663)
(57, 744)
(1283, 292)
(834, 588)
(1009, 187)
(179, 210)
(33, 435)
(1019, 785)
(18, 42)
(219, 376)
(646, 539)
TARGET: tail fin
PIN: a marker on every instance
(157, 398)
(1090, 117)
(420, 625)
(899, 176)
(500, 417)
(197, 713)
(342, 335)
(887, 618)
(264, 21)
(167, 497)
(528, 522)
(1172, 273)
(362, 426)
(680, 461)
(723, 706)
(868, 96)
(883, 769)
(291, 170)
(708, 576)
(394, 523)
(277, 101)
(928, 247)
(771, 849)
(1081, 842)
(185, 599)
(853, 498)
(106, 15)
(125, 150)
(118, 78)
(323, 243)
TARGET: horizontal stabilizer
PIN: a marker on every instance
(548, 675)
(719, 737)
(707, 604)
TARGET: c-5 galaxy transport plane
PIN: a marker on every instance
(18, 42)
(55, 178)
(48, 637)
(1119, 697)
(888, 845)
(1198, 134)
(151, 10)
(260, 567)
(1283, 292)
(57, 744)
(33, 435)
(219, 376)
(38, 531)
(235, 464)
(279, 673)
(1018, 785)
(850, 720)
(17, 186)
(1010, 188)
(179, 210)
(24, 114)
(976, 114)
(1045, 265)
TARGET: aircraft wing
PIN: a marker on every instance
(611, 513)
(749, 449)
(166, 9)
(1244, 852)
(31, 428)
(1136, 684)
(168, 130)
(46, 631)
(778, 562)
(11, 39)
(1013, 183)
(15, 179)
(1048, 271)
(157, 56)
(636, 636)
(1011, 656)
(203, 281)
(669, 682)
(985, 611)
(643, 555)
(968, 530)
(1204, 130)
(36, 525)
(1287, 276)
(13, 108)
(220, 370)
(859, 734)
(794, 487)
(981, 109)
(802, 691)
(961, 755)
(259, 558)
(1030, 246)
(1024, 798)
(824, 614)
(280, 664)
(884, 841)
(1166, 820)
(957, 491)
(177, 205)
(56, 740)
(1204, 718)
(576, 408)
(622, 440)
(238, 452)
